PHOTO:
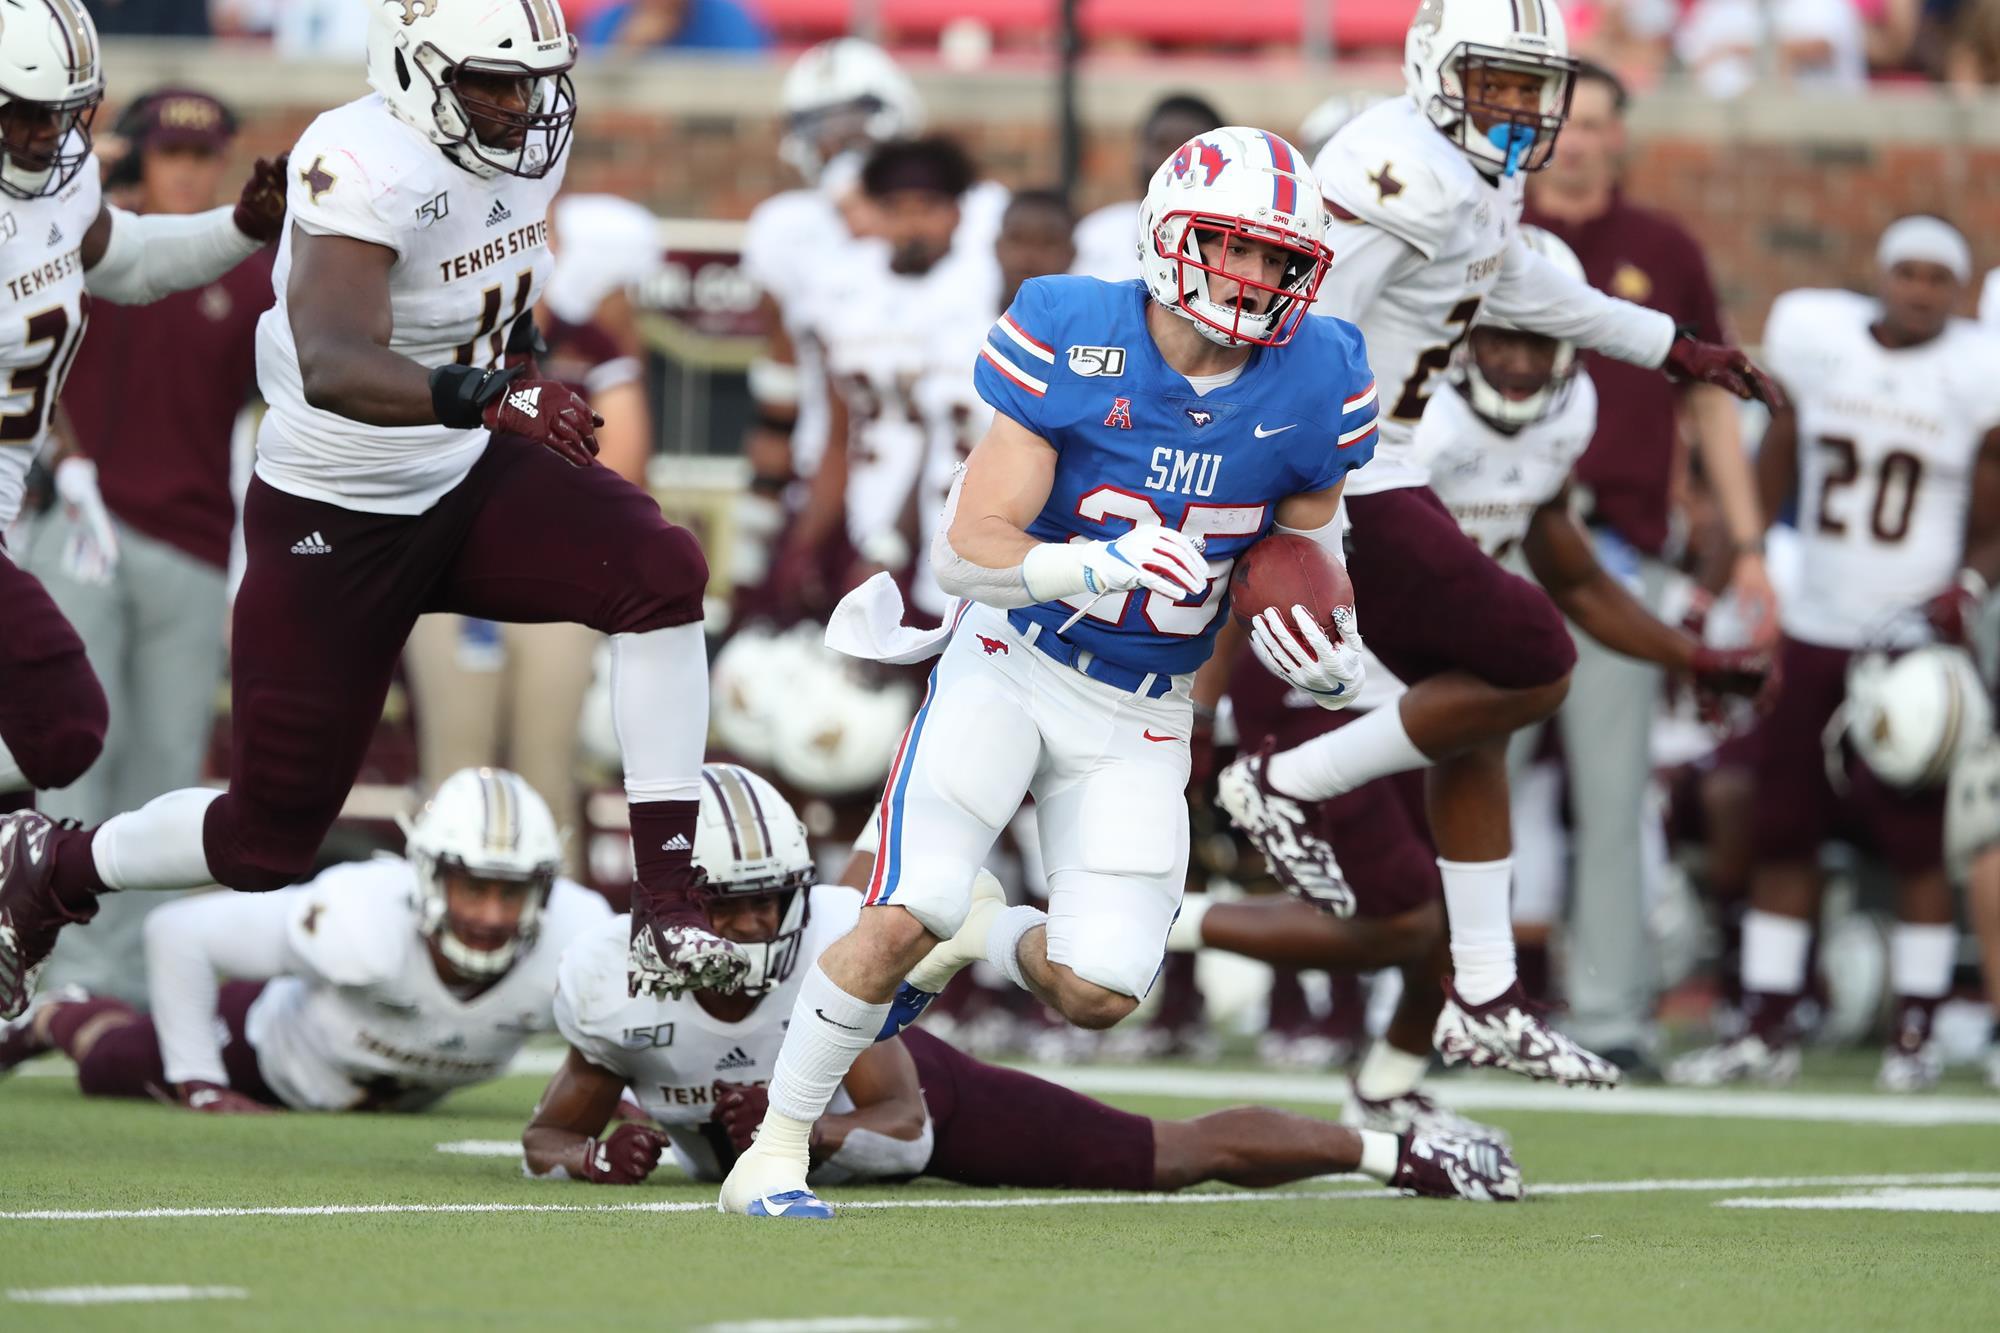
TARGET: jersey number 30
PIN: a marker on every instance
(1164, 615)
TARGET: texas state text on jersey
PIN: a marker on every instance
(1073, 361)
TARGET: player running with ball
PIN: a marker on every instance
(1146, 434)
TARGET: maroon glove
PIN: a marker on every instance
(260, 210)
(1721, 672)
(740, 1108)
(1953, 611)
(549, 413)
(624, 1157)
(1725, 367)
(215, 1099)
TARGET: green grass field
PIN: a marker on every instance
(1645, 1246)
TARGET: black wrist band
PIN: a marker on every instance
(459, 394)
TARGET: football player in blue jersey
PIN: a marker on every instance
(1146, 434)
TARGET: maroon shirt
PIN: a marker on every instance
(153, 397)
(1649, 258)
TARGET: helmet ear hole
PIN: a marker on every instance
(402, 71)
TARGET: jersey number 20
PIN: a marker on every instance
(1164, 615)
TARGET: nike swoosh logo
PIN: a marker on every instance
(1263, 434)
(845, 1027)
(1151, 737)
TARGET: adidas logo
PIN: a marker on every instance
(677, 843)
(737, 1058)
(55, 234)
(313, 545)
(526, 401)
(498, 214)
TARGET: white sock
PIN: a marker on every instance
(1372, 746)
(1003, 945)
(1774, 952)
(158, 846)
(1477, 905)
(1921, 959)
(1379, 1153)
(828, 1032)
(659, 708)
(1387, 1072)
(11, 776)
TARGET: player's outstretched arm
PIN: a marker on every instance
(189, 945)
(1953, 611)
(983, 551)
(135, 259)
(566, 1140)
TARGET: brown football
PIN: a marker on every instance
(1285, 570)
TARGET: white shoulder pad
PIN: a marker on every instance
(784, 235)
(353, 925)
(1975, 352)
(358, 171)
(591, 992)
(1803, 324)
(573, 911)
(1389, 180)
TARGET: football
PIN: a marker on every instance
(1288, 570)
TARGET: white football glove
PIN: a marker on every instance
(90, 555)
(1298, 651)
(1162, 560)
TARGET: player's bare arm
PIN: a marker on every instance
(1953, 611)
(341, 321)
(1778, 461)
(1718, 432)
(566, 1140)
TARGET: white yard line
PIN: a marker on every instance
(1720, 1184)
(852, 1323)
(121, 1295)
(482, 1147)
(1885, 1200)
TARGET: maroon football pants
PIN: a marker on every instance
(52, 709)
(996, 1126)
(125, 1061)
(330, 595)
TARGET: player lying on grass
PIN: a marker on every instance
(381, 985)
(910, 1106)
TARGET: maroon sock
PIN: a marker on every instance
(1770, 1015)
(1347, 1009)
(1914, 1015)
(68, 1017)
(1180, 998)
(75, 881)
(1531, 961)
(1290, 1013)
(662, 856)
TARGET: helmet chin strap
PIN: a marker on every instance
(1514, 141)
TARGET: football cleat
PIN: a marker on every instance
(1415, 1113)
(18, 1039)
(1442, 1167)
(1745, 1059)
(1506, 1033)
(947, 958)
(679, 953)
(766, 1184)
(30, 916)
(1281, 830)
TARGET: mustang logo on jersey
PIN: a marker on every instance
(1174, 470)
(1105, 362)
(993, 646)
(1200, 416)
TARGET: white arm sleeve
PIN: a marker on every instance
(867, 1155)
(1329, 536)
(190, 942)
(1535, 294)
(1365, 260)
(156, 254)
(959, 577)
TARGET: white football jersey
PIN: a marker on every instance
(955, 418)
(1494, 482)
(673, 1052)
(1107, 243)
(1390, 168)
(42, 314)
(791, 247)
(472, 255)
(881, 331)
(1887, 440)
(362, 1019)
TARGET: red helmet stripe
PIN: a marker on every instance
(1285, 188)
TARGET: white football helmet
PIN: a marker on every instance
(489, 824)
(1450, 38)
(838, 730)
(417, 49)
(1912, 717)
(1486, 398)
(1234, 182)
(840, 96)
(754, 679)
(749, 843)
(49, 58)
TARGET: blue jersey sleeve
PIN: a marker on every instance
(1013, 370)
(1353, 415)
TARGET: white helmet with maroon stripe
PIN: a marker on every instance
(417, 49)
(48, 59)
(488, 824)
(749, 843)
(1450, 40)
(1227, 185)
